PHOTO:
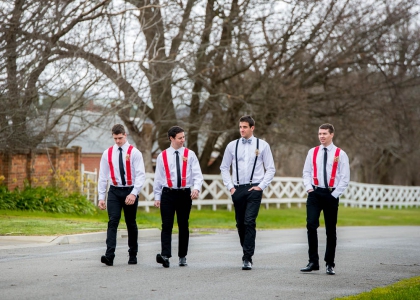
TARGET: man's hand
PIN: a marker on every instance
(311, 190)
(194, 194)
(102, 204)
(256, 188)
(232, 191)
(130, 199)
(157, 203)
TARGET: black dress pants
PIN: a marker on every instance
(175, 201)
(116, 203)
(247, 205)
(321, 200)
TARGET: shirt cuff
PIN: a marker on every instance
(261, 186)
(197, 188)
(230, 186)
(157, 197)
(335, 195)
(135, 192)
(308, 187)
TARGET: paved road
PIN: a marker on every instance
(367, 257)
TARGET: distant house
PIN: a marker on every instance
(95, 140)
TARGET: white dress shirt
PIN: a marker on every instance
(194, 176)
(342, 177)
(138, 174)
(246, 158)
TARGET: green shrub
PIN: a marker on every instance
(6, 200)
(48, 199)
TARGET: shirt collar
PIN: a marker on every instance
(124, 147)
(329, 148)
(251, 137)
(172, 150)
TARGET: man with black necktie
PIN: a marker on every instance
(123, 166)
(326, 175)
(178, 180)
(248, 156)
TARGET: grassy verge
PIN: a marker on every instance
(41, 223)
(408, 289)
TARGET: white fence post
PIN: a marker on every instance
(89, 185)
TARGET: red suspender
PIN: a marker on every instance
(128, 165)
(165, 164)
(334, 167)
(184, 168)
(314, 164)
(111, 166)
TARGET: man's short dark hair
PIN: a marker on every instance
(118, 129)
(328, 126)
(173, 131)
(248, 119)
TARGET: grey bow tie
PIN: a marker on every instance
(244, 140)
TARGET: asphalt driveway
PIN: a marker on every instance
(367, 257)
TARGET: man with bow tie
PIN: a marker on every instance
(248, 156)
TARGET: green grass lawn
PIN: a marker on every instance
(407, 289)
(39, 223)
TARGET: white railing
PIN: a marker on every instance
(380, 196)
(285, 191)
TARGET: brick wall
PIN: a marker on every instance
(91, 161)
(38, 164)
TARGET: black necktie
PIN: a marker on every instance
(325, 168)
(121, 167)
(178, 170)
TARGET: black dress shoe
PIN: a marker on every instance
(106, 260)
(132, 260)
(247, 265)
(183, 261)
(330, 270)
(162, 260)
(310, 267)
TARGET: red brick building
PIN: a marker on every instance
(91, 161)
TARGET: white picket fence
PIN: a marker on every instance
(287, 191)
